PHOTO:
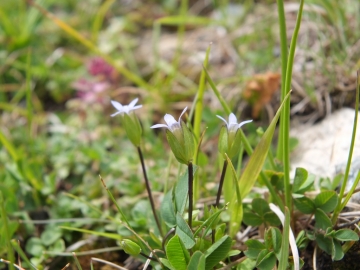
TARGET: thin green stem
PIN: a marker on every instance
(285, 116)
(221, 183)
(190, 183)
(284, 59)
(341, 205)
(148, 188)
(6, 231)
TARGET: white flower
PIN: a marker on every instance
(233, 126)
(121, 109)
(171, 123)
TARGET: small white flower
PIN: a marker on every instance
(121, 109)
(171, 123)
(233, 126)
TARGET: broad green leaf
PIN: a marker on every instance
(184, 232)
(167, 263)
(58, 246)
(322, 221)
(338, 253)
(254, 248)
(167, 210)
(273, 239)
(326, 201)
(346, 235)
(299, 186)
(260, 206)
(247, 264)
(272, 219)
(252, 219)
(197, 261)
(305, 205)
(177, 254)
(325, 243)
(217, 251)
(266, 260)
(34, 246)
(49, 236)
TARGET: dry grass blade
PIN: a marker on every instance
(108, 263)
(15, 265)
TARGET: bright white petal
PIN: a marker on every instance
(218, 116)
(117, 105)
(170, 120)
(132, 103)
(232, 119)
(244, 122)
(182, 114)
(116, 114)
(159, 126)
(136, 107)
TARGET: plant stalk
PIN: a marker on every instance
(147, 183)
(190, 183)
(221, 183)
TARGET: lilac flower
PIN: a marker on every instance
(171, 123)
(233, 126)
(121, 109)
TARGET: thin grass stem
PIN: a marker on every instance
(6, 231)
(190, 183)
(148, 188)
(221, 183)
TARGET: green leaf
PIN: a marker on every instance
(284, 252)
(305, 205)
(346, 235)
(257, 159)
(210, 221)
(325, 243)
(176, 253)
(254, 248)
(217, 252)
(184, 232)
(337, 253)
(326, 201)
(272, 219)
(322, 221)
(252, 219)
(167, 210)
(49, 236)
(266, 260)
(301, 176)
(247, 264)
(197, 261)
(167, 263)
(34, 246)
(260, 206)
(273, 239)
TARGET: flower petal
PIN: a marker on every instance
(132, 103)
(159, 126)
(244, 122)
(118, 112)
(117, 105)
(232, 119)
(218, 116)
(182, 114)
(170, 120)
(138, 107)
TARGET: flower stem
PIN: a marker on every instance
(147, 183)
(222, 178)
(190, 183)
